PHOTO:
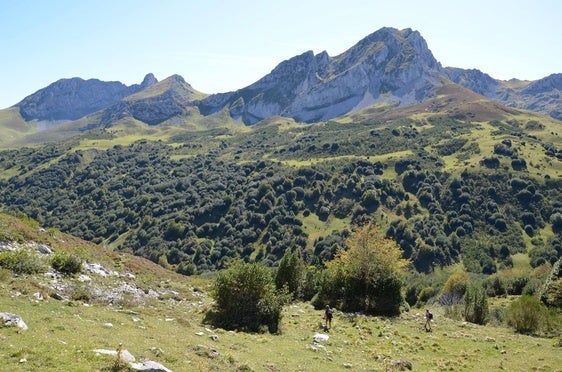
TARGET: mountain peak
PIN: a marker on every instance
(148, 80)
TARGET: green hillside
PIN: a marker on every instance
(69, 321)
(444, 180)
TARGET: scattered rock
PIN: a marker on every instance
(149, 365)
(402, 364)
(320, 337)
(59, 297)
(127, 276)
(124, 355)
(13, 320)
(108, 325)
(84, 278)
(98, 269)
(214, 337)
(348, 365)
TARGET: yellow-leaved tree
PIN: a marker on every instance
(367, 276)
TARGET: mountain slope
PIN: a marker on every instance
(162, 101)
(71, 99)
(386, 66)
(390, 67)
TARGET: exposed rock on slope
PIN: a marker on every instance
(71, 99)
(386, 66)
(160, 102)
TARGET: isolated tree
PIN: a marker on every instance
(552, 292)
(475, 304)
(367, 276)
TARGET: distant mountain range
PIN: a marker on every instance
(389, 67)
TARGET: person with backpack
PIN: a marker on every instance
(328, 317)
(428, 319)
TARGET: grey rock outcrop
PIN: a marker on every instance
(126, 357)
(543, 95)
(149, 366)
(71, 99)
(475, 80)
(13, 320)
(161, 101)
(387, 66)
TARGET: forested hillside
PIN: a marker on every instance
(446, 188)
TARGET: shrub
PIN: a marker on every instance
(246, 299)
(476, 304)
(425, 295)
(525, 314)
(532, 287)
(66, 263)
(23, 261)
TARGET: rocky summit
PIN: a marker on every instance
(71, 99)
(390, 67)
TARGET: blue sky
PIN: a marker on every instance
(219, 46)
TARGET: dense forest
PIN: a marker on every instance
(195, 201)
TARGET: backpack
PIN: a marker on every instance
(430, 315)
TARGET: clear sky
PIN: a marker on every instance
(219, 46)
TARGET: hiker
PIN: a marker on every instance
(428, 319)
(328, 317)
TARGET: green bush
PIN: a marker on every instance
(475, 304)
(525, 314)
(456, 285)
(66, 263)
(425, 295)
(23, 261)
(246, 299)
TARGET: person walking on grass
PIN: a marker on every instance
(328, 317)
(428, 319)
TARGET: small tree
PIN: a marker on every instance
(246, 299)
(367, 276)
(290, 274)
(475, 304)
(552, 292)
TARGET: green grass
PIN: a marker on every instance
(171, 330)
(173, 334)
(316, 228)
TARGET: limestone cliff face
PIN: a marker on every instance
(71, 99)
(475, 80)
(155, 104)
(387, 66)
(543, 95)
